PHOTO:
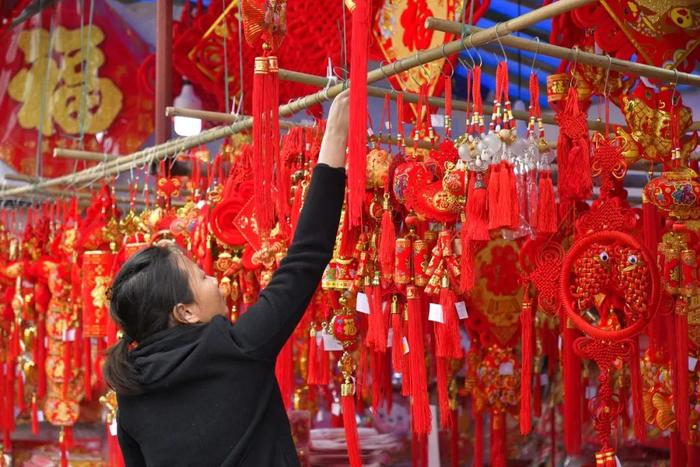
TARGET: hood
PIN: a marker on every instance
(160, 355)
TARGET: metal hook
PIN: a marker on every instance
(576, 50)
(381, 67)
(498, 38)
(607, 76)
(452, 67)
(466, 48)
(478, 54)
(534, 58)
(423, 67)
(674, 101)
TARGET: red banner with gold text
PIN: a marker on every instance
(67, 79)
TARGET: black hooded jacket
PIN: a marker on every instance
(210, 394)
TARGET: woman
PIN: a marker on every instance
(194, 389)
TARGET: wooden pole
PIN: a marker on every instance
(83, 155)
(221, 116)
(164, 68)
(586, 58)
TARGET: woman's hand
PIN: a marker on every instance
(335, 139)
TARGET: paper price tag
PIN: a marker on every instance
(436, 313)
(68, 335)
(560, 342)
(692, 363)
(113, 428)
(591, 392)
(370, 132)
(307, 147)
(404, 341)
(437, 120)
(362, 303)
(390, 338)
(387, 125)
(330, 343)
(505, 369)
(461, 308)
(544, 379)
(40, 415)
(335, 409)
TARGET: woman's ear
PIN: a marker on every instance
(185, 314)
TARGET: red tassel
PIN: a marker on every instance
(446, 419)
(572, 391)
(478, 440)
(387, 242)
(376, 333)
(284, 370)
(420, 408)
(651, 226)
(546, 222)
(396, 338)
(493, 189)
(526, 319)
(514, 200)
(573, 152)
(454, 442)
(498, 440)
(35, 416)
(637, 403)
(261, 165)
(478, 211)
(350, 425)
(87, 375)
(349, 237)
(357, 141)
(312, 375)
(21, 405)
(447, 337)
(325, 365)
(679, 452)
(381, 381)
(681, 392)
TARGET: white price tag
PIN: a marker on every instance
(437, 120)
(40, 416)
(330, 343)
(362, 303)
(201, 204)
(692, 363)
(544, 379)
(591, 392)
(404, 341)
(370, 132)
(560, 342)
(68, 335)
(505, 369)
(387, 125)
(461, 308)
(436, 313)
(335, 409)
(113, 428)
(307, 147)
(319, 416)
(390, 338)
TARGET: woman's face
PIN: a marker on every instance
(208, 299)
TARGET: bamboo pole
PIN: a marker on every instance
(221, 116)
(63, 153)
(586, 58)
(163, 150)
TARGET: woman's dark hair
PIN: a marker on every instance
(143, 295)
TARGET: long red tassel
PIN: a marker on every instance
(572, 391)
(526, 320)
(284, 370)
(546, 222)
(442, 364)
(376, 333)
(681, 392)
(357, 141)
(573, 151)
(499, 455)
(387, 242)
(478, 210)
(87, 374)
(312, 374)
(454, 442)
(350, 424)
(447, 337)
(478, 440)
(637, 402)
(397, 337)
(679, 453)
(281, 174)
(496, 211)
(261, 164)
(420, 408)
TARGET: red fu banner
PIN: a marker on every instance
(67, 79)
